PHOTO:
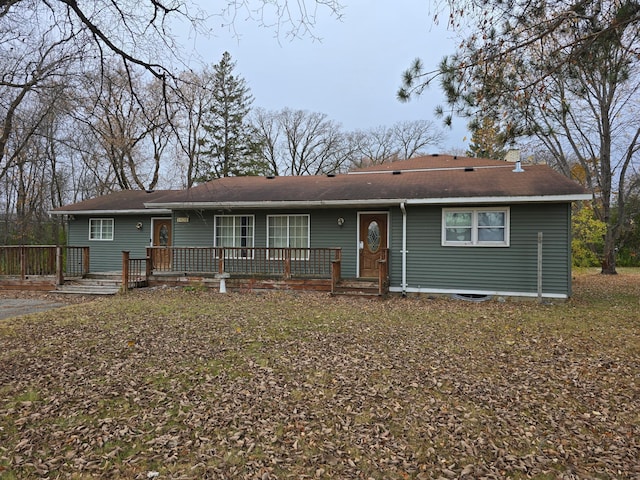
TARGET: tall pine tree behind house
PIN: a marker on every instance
(230, 144)
(487, 140)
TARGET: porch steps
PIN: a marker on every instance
(92, 284)
(357, 287)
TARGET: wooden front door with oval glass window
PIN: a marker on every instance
(161, 238)
(373, 242)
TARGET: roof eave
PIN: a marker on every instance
(500, 199)
(374, 202)
(142, 211)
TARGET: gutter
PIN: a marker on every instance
(203, 205)
(404, 248)
(115, 211)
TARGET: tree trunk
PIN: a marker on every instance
(609, 254)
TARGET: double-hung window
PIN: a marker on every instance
(288, 231)
(236, 233)
(101, 229)
(475, 227)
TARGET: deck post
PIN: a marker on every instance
(336, 270)
(220, 253)
(287, 263)
(125, 271)
(147, 267)
(59, 269)
(383, 273)
(85, 261)
(23, 262)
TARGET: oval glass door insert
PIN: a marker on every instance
(373, 237)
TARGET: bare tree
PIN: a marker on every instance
(190, 102)
(413, 137)
(126, 128)
(138, 33)
(29, 66)
(401, 141)
(297, 142)
(34, 180)
(267, 126)
(374, 146)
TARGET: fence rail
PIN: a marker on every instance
(278, 262)
(30, 260)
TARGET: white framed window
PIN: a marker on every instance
(101, 229)
(288, 231)
(475, 227)
(235, 231)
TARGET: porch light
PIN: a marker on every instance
(139, 225)
(340, 221)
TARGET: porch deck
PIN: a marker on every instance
(236, 268)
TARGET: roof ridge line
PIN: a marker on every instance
(433, 169)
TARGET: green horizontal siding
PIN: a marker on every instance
(506, 269)
(106, 255)
(430, 266)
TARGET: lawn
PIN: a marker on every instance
(176, 384)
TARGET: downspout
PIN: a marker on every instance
(404, 248)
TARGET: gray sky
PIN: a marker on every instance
(352, 74)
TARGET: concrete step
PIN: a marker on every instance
(87, 289)
(357, 287)
(95, 282)
(98, 285)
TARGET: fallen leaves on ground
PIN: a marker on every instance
(167, 383)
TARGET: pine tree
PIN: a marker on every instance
(486, 141)
(230, 145)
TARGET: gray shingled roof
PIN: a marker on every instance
(125, 201)
(441, 179)
(434, 179)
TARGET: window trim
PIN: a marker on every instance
(102, 221)
(475, 211)
(304, 257)
(253, 236)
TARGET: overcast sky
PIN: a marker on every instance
(352, 74)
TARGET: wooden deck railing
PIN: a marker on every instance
(29, 260)
(271, 262)
(135, 272)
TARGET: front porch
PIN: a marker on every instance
(256, 268)
(221, 268)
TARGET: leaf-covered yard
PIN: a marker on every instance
(175, 384)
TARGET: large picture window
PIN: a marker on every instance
(288, 231)
(101, 229)
(235, 231)
(475, 227)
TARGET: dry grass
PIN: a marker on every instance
(201, 385)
